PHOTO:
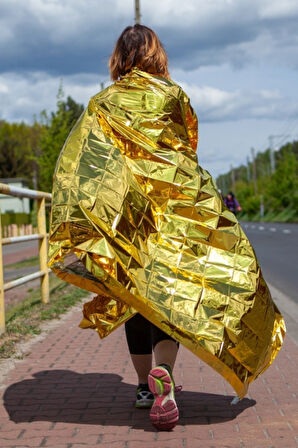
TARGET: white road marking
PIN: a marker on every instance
(272, 229)
(253, 226)
(286, 231)
(261, 228)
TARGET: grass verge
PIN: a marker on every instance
(31, 261)
(288, 215)
(23, 319)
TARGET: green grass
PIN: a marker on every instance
(23, 319)
(287, 215)
(31, 261)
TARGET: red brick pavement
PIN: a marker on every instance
(75, 391)
(20, 255)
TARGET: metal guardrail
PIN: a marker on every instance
(43, 273)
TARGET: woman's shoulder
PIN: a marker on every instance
(136, 86)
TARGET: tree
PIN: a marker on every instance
(56, 130)
(282, 190)
(279, 190)
(16, 149)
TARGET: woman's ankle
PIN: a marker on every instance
(166, 366)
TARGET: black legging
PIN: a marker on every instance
(142, 336)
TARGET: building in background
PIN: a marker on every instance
(10, 204)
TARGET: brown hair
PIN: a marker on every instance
(138, 46)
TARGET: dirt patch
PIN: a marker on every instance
(23, 348)
(24, 318)
(18, 294)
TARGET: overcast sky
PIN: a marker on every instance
(236, 59)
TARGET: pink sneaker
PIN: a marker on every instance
(164, 413)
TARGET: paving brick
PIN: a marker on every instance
(121, 444)
(30, 441)
(155, 444)
(10, 435)
(59, 445)
(54, 440)
(226, 443)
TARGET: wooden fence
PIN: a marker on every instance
(41, 236)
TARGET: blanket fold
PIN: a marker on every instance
(137, 221)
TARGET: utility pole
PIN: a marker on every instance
(223, 185)
(271, 149)
(233, 178)
(262, 207)
(137, 12)
(248, 170)
(254, 170)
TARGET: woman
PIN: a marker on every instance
(231, 203)
(137, 221)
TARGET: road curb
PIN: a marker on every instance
(289, 310)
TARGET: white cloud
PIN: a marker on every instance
(278, 9)
(22, 97)
(214, 105)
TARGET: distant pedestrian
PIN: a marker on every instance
(232, 203)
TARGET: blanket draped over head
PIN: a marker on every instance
(137, 221)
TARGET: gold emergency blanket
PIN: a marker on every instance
(138, 222)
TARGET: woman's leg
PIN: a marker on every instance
(141, 336)
(142, 365)
(138, 335)
(164, 413)
(165, 348)
(165, 352)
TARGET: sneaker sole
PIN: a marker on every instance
(164, 413)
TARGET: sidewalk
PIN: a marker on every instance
(75, 391)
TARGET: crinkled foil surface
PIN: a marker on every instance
(137, 221)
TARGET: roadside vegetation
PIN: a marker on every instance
(277, 191)
(31, 151)
(23, 320)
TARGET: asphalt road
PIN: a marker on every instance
(276, 246)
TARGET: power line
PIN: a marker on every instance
(286, 128)
(290, 132)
